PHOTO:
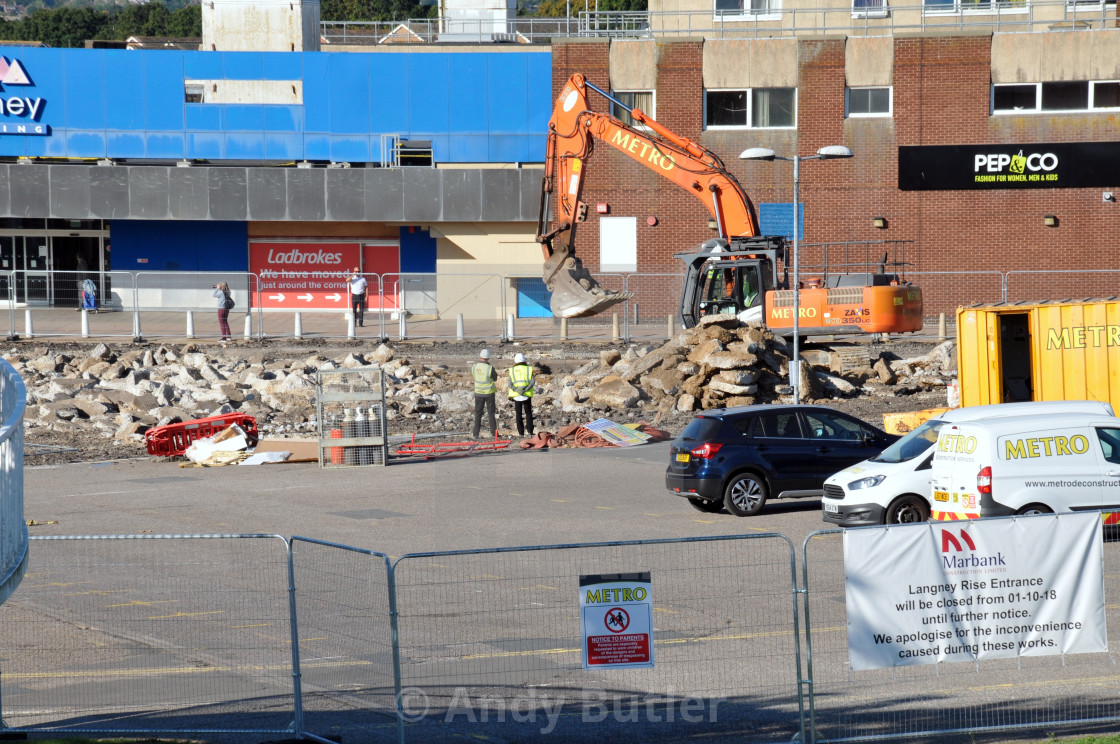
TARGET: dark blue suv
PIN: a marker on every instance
(739, 458)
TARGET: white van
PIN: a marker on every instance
(893, 487)
(1026, 465)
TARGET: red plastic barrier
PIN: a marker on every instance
(174, 439)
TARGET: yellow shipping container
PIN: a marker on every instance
(1039, 351)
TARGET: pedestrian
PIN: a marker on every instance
(225, 304)
(521, 385)
(82, 275)
(485, 379)
(358, 286)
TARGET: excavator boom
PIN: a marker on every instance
(572, 132)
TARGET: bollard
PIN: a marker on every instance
(350, 326)
(460, 330)
(670, 327)
(85, 323)
(615, 336)
(509, 326)
(190, 324)
(248, 326)
(403, 324)
(563, 329)
(941, 327)
(299, 326)
(28, 328)
(137, 334)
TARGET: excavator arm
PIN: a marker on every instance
(572, 132)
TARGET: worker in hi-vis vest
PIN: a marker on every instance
(521, 384)
(484, 388)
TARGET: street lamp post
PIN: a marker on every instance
(830, 152)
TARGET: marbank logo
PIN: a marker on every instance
(950, 546)
(949, 539)
(19, 114)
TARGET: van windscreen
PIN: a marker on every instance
(913, 444)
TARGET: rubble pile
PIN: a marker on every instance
(116, 394)
(720, 364)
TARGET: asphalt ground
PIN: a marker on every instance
(727, 626)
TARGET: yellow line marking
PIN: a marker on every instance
(142, 603)
(705, 521)
(559, 501)
(103, 673)
(652, 514)
(662, 609)
(186, 614)
(257, 625)
(606, 508)
(546, 586)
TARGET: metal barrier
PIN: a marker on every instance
(150, 633)
(939, 699)
(345, 648)
(441, 306)
(13, 528)
(492, 637)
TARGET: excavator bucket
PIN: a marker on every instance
(575, 294)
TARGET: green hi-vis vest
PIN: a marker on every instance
(483, 375)
(521, 381)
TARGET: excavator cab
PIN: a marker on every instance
(733, 286)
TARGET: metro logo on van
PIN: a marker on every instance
(956, 443)
(1019, 449)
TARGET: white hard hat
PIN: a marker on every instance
(484, 354)
(518, 358)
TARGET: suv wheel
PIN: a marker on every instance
(745, 495)
(708, 506)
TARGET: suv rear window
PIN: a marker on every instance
(701, 430)
(778, 425)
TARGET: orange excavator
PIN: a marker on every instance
(733, 273)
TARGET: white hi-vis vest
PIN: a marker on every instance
(521, 381)
(483, 374)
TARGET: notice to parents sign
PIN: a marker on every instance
(967, 590)
(616, 620)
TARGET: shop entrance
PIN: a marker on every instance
(50, 258)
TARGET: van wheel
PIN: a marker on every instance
(745, 495)
(1030, 509)
(907, 510)
(708, 506)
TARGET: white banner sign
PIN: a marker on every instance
(967, 590)
(616, 620)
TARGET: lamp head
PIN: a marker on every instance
(757, 153)
(831, 152)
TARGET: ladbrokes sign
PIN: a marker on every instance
(1048, 166)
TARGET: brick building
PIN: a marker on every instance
(987, 151)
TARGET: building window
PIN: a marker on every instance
(756, 9)
(869, 102)
(869, 8)
(974, 6)
(1077, 95)
(643, 100)
(756, 108)
(192, 92)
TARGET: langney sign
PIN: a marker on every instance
(1062, 165)
(968, 590)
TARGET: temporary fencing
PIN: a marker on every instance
(13, 528)
(132, 633)
(932, 700)
(490, 637)
(252, 634)
(151, 304)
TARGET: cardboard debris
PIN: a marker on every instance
(301, 450)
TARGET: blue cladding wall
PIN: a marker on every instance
(474, 107)
(180, 246)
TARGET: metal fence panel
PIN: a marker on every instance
(1030, 692)
(13, 528)
(490, 643)
(345, 641)
(149, 633)
(350, 412)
